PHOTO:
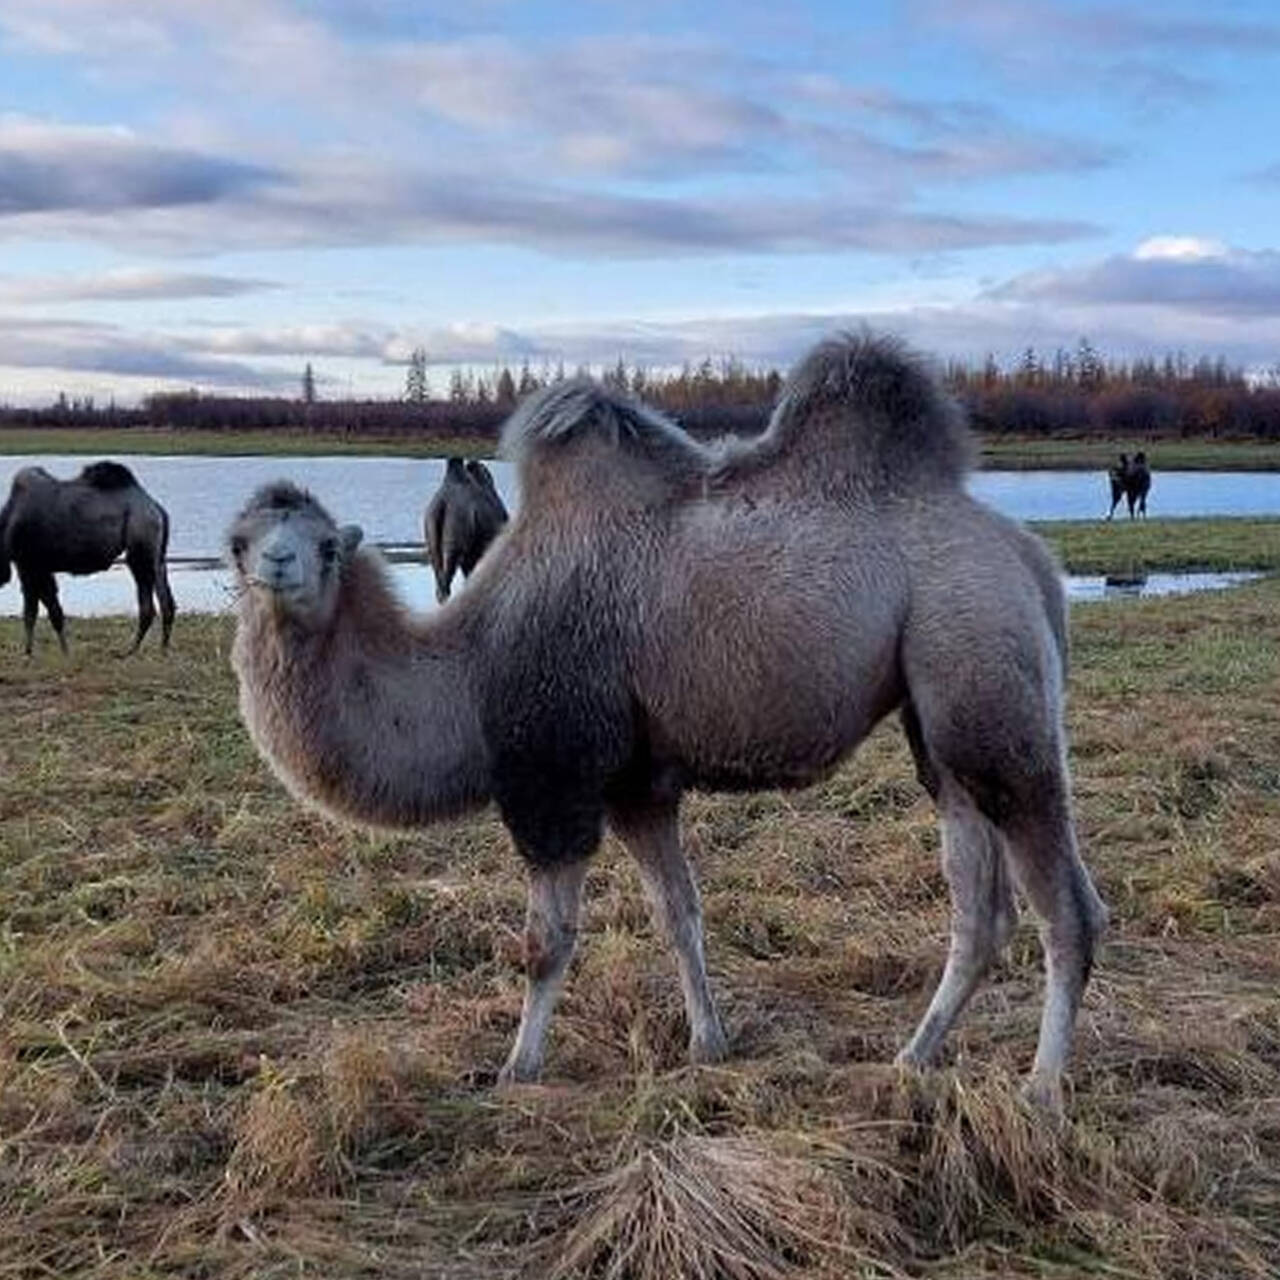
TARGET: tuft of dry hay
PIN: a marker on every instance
(727, 1208)
(304, 1132)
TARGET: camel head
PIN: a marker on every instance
(287, 551)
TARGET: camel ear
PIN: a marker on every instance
(350, 535)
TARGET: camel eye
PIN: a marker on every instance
(329, 550)
(239, 546)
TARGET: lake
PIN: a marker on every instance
(387, 496)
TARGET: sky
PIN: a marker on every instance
(215, 193)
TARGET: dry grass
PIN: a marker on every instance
(237, 1041)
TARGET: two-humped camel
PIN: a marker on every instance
(463, 517)
(663, 615)
(50, 526)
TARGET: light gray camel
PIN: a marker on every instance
(462, 519)
(663, 615)
(80, 526)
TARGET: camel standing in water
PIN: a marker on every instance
(462, 519)
(80, 526)
(663, 615)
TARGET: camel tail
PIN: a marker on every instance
(866, 407)
(552, 419)
(162, 554)
(4, 540)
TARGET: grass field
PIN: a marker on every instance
(238, 1041)
(1000, 453)
(282, 444)
(1034, 454)
(1164, 546)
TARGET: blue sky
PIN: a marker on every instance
(214, 193)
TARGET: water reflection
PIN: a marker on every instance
(1132, 586)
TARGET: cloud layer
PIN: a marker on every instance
(206, 153)
(1187, 275)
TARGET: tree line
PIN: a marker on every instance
(1076, 392)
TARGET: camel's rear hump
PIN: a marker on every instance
(859, 412)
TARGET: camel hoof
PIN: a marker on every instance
(911, 1058)
(709, 1049)
(517, 1073)
(1044, 1094)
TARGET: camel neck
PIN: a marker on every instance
(372, 719)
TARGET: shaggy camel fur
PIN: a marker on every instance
(80, 526)
(663, 615)
(462, 519)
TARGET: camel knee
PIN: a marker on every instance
(547, 949)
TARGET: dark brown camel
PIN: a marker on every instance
(80, 526)
(1132, 482)
(462, 519)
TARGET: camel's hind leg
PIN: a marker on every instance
(652, 837)
(551, 933)
(1042, 853)
(53, 607)
(982, 917)
(996, 767)
(144, 577)
(167, 606)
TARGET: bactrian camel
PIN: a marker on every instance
(1132, 482)
(80, 526)
(463, 517)
(664, 615)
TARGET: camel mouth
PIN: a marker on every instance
(278, 588)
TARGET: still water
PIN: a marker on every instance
(387, 496)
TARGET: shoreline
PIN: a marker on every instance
(994, 453)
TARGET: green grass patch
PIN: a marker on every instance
(159, 440)
(1091, 454)
(996, 453)
(1164, 546)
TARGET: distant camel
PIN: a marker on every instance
(1131, 481)
(1118, 476)
(80, 526)
(1139, 485)
(462, 519)
(663, 615)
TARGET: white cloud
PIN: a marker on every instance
(1179, 249)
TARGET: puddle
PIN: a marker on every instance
(1081, 587)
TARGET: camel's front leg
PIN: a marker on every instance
(551, 931)
(652, 837)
